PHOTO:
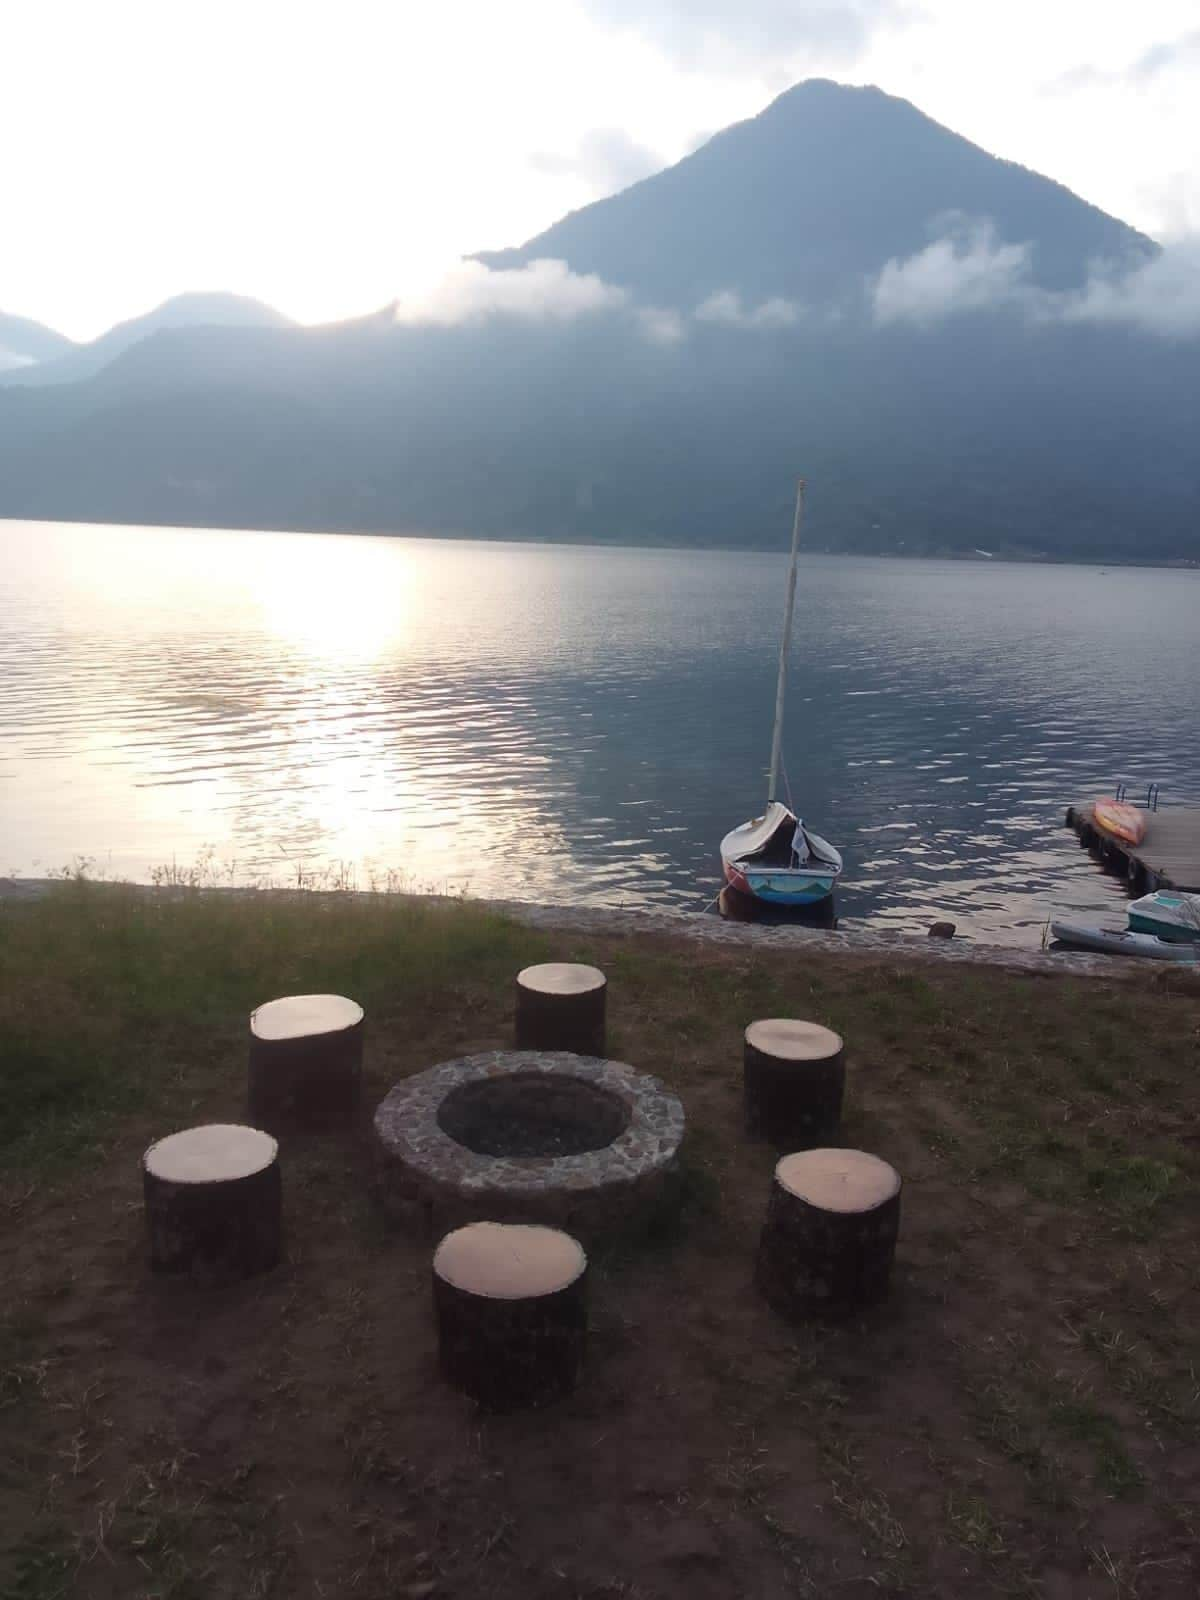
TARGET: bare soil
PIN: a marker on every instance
(1019, 1419)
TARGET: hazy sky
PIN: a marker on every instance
(329, 157)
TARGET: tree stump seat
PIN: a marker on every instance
(213, 1199)
(561, 1006)
(305, 1061)
(793, 1078)
(511, 1312)
(830, 1234)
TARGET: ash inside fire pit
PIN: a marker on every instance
(532, 1114)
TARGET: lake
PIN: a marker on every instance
(579, 724)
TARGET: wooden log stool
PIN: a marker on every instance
(793, 1077)
(213, 1202)
(830, 1233)
(561, 1006)
(511, 1312)
(305, 1061)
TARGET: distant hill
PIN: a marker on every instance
(1024, 433)
(1080, 444)
(818, 191)
(23, 341)
(183, 311)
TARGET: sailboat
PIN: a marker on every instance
(775, 857)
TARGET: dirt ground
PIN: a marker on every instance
(1019, 1419)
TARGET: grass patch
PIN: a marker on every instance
(1156, 1373)
(1133, 1186)
(1084, 1421)
(970, 1518)
(110, 996)
(1006, 1421)
(43, 1565)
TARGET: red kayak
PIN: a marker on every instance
(1121, 821)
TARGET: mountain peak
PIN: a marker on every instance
(195, 308)
(216, 307)
(815, 193)
(824, 89)
(23, 342)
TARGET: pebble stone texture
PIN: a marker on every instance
(428, 1181)
(858, 941)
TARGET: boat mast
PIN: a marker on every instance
(785, 646)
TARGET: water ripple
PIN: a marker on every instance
(580, 725)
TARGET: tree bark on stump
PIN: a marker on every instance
(793, 1079)
(511, 1311)
(561, 1006)
(305, 1068)
(213, 1199)
(830, 1235)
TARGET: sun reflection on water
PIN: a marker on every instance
(578, 725)
(321, 605)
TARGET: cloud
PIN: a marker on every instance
(607, 159)
(1163, 296)
(542, 291)
(1079, 78)
(729, 36)
(10, 360)
(966, 269)
(726, 307)
(1151, 64)
(1175, 197)
(1179, 52)
(547, 291)
(661, 325)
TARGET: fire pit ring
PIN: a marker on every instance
(537, 1136)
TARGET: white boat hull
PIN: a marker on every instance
(746, 855)
(1120, 942)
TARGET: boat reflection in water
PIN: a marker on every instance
(737, 907)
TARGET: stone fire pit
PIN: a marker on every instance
(527, 1136)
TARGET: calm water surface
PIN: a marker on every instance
(580, 725)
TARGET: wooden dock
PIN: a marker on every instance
(1167, 858)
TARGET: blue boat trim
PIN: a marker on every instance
(779, 890)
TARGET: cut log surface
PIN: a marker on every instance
(838, 1180)
(217, 1152)
(511, 1311)
(305, 1060)
(301, 1016)
(794, 1077)
(830, 1234)
(561, 1005)
(562, 977)
(213, 1201)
